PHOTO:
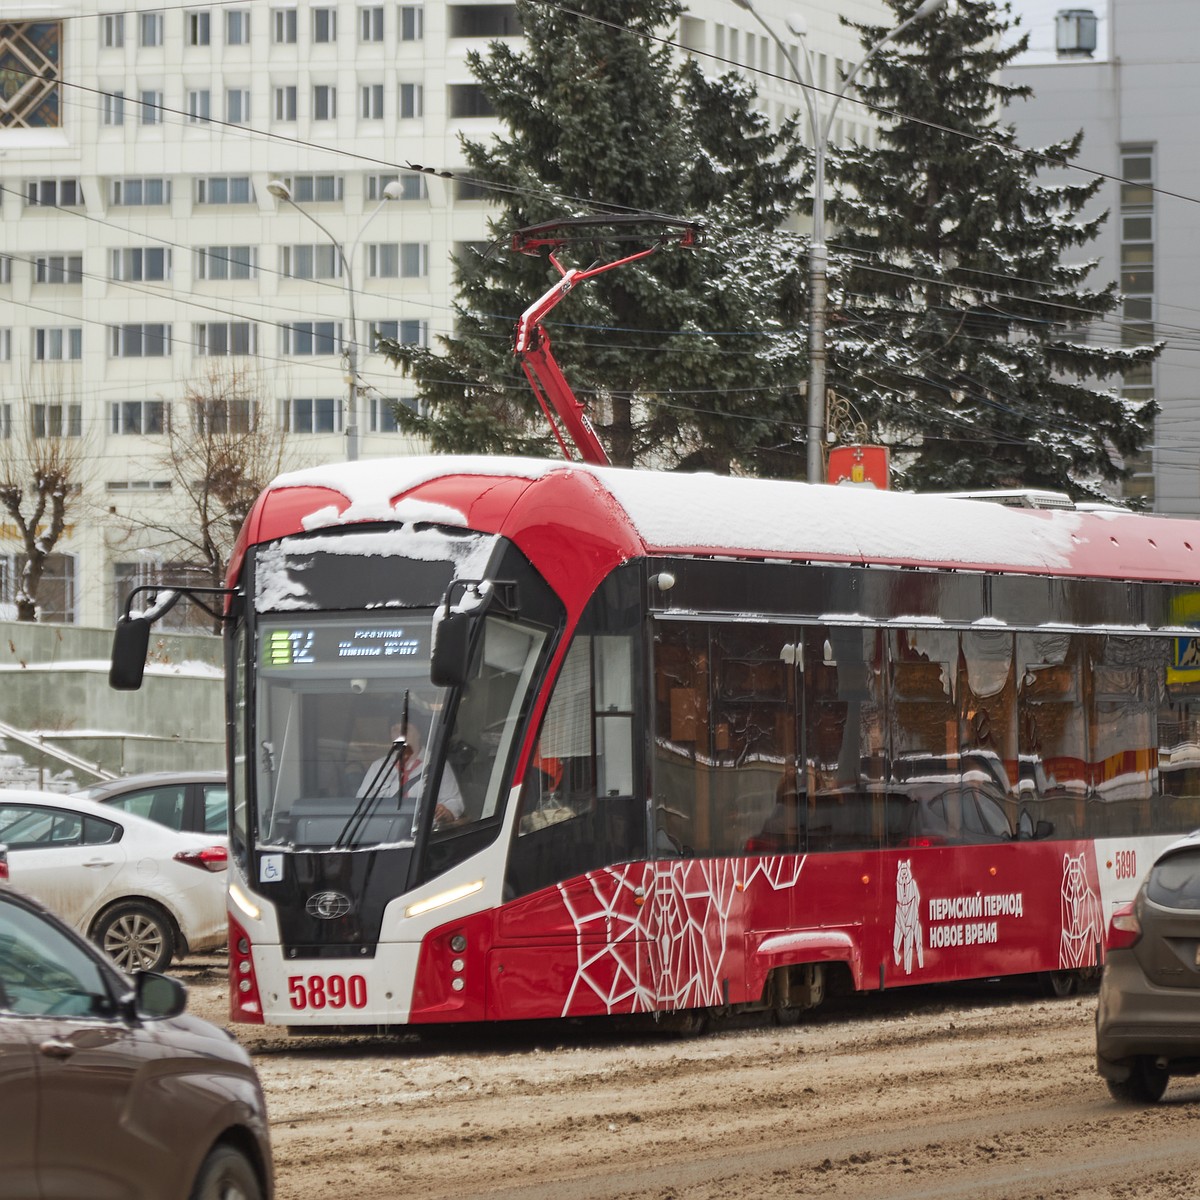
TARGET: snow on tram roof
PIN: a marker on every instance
(674, 511)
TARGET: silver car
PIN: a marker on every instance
(1148, 1016)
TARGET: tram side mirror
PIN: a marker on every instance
(451, 646)
(131, 641)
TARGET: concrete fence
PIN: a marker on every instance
(54, 690)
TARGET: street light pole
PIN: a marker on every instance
(281, 191)
(818, 254)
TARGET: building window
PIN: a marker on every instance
(151, 572)
(237, 27)
(285, 102)
(5, 421)
(223, 416)
(321, 261)
(219, 338)
(5, 268)
(407, 333)
(150, 28)
(58, 268)
(304, 414)
(56, 420)
(5, 349)
(197, 28)
(383, 260)
(484, 20)
(226, 262)
(1137, 284)
(412, 100)
(112, 108)
(371, 102)
(468, 189)
(224, 189)
(137, 417)
(139, 341)
(324, 25)
(370, 24)
(469, 100)
(56, 594)
(324, 102)
(141, 191)
(53, 193)
(412, 22)
(58, 344)
(283, 26)
(199, 105)
(412, 185)
(150, 111)
(31, 54)
(414, 260)
(312, 337)
(383, 415)
(150, 264)
(112, 30)
(315, 188)
(237, 106)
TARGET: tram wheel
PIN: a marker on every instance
(1059, 984)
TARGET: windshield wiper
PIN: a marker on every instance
(369, 800)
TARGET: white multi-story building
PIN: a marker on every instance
(143, 254)
(1131, 90)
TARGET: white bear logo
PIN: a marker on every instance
(908, 936)
(1082, 919)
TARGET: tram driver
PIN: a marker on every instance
(386, 774)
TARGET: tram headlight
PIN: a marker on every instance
(439, 899)
(458, 943)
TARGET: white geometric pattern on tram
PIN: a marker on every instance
(668, 952)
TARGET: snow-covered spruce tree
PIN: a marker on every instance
(957, 331)
(690, 358)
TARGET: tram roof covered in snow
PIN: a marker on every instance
(656, 512)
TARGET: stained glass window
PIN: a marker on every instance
(29, 74)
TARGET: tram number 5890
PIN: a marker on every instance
(1125, 862)
(327, 991)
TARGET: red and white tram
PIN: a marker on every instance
(516, 739)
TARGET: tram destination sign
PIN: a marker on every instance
(361, 643)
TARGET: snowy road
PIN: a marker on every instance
(965, 1093)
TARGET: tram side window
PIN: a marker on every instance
(579, 807)
(925, 780)
(1177, 694)
(844, 737)
(1126, 675)
(1054, 752)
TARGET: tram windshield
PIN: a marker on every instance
(349, 728)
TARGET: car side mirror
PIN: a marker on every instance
(131, 641)
(156, 997)
(451, 647)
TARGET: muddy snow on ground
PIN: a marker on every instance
(983, 1091)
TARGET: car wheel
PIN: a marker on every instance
(226, 1174)
(136, 936)
(1145, 1085)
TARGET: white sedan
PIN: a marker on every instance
(142, 892)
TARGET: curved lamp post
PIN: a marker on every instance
(281, 191)
(818, 256)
